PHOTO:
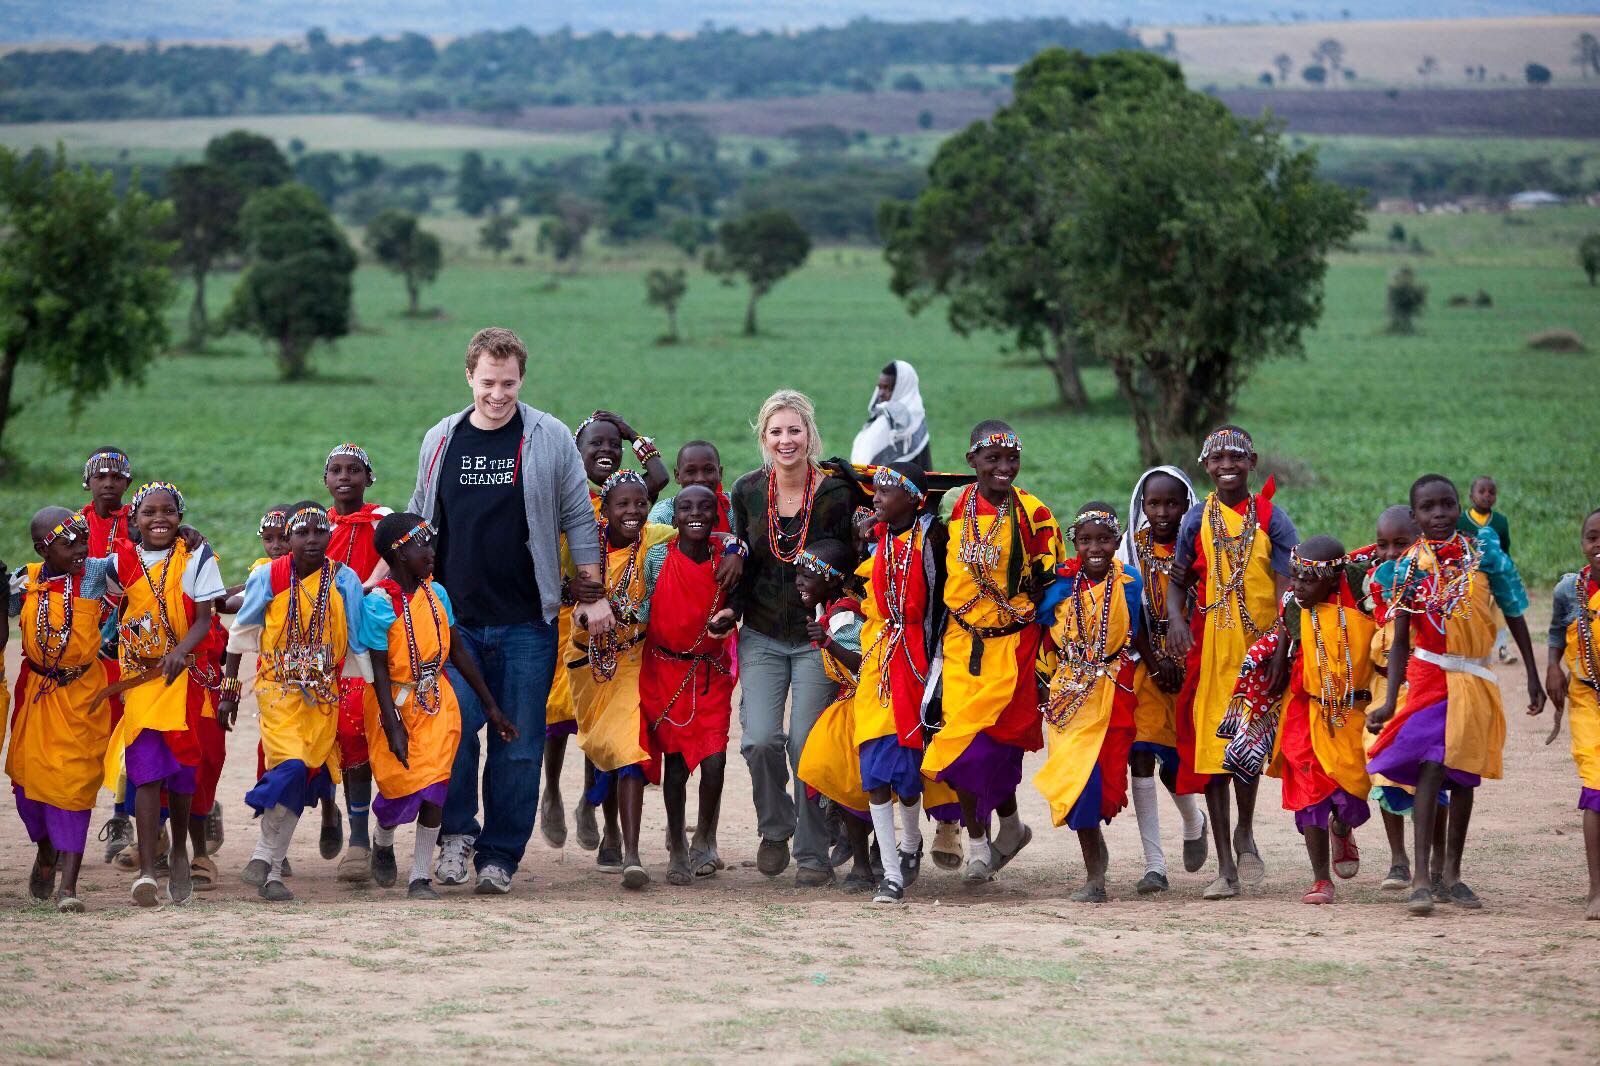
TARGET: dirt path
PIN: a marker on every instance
(569, 968)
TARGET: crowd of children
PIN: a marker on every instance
(1195, 640)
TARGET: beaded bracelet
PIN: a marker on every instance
(230, 689)
(645, 449)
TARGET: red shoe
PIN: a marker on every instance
(1321, 892)
(1346, 856)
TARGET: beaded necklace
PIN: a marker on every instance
(775, 533)
(306, 661)
(1438, 587)
(980, 554)
(1338, 694)
(1237, 551)
(606, 649)
(1083, 660)
(891, 639)
(144, 643)
(424, 674)
(1156, 569)
(52, 640)
(1586, 649)
(695, 662)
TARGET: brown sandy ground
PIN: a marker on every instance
(570, 968)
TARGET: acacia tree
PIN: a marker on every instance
(250, 159)
(397, 241)
(561, 236)
(206, 202)
(495, 233)
(1285, 64)
(83, 285)
(665, 289)
(297, 288)
(1195, 246)
(1589, 256)
(1329, 53)
(986, 233)
(763, 247)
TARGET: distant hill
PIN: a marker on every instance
(100, 20)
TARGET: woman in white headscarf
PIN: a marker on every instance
(897, 425)
(1160, 500)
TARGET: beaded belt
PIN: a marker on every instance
(622, 646)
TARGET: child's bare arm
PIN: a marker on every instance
(468, 669)
(1555, 685)
(176, 661)
(1519, 633)
(1399, 661)
(394, 728)
(228, 704)
(1179, 637)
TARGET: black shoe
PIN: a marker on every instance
(422, 888)
(118, 835)
(910, 866)
(1151, 883)
(875, 858)
(856, 882)
(1462, 896)
(331, 842)
(214, 830)
(609, 860)
(811, 877)
(1441, 894)
(889, 892)
(1196, 851)
(772, 857)
(384, 872)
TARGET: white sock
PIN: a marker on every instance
(1194, 823)
(978, 850)
(269, 834)
(422, 861)
(383, 836)
(280, 845)
(883, 825)
(1010, 832)
(911, 827)
(1149, 816)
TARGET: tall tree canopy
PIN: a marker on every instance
(83, 283)
(297, 288)
(206, 201)
(987, 231)
(764, 248)
(250, 159)
(396, 240)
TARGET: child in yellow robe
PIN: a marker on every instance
(302, 615)
(604, 673)
(167, 591)
(1230, 568)
(1573, 680)
(413, 722)
(58, 737)
(1094, 625)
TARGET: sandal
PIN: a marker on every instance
(1462, 896)
(1321, 893)
(69, 905)
(42, 879)
(1252, 870)
(144, 892)
(1346, 856)
(678, 871)
(203, 873)
(1420, 903)
(635, 877)
(1221, 888)
(703, 863)
(946, 848)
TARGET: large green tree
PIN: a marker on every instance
(764, 248)
(396, 240)
(296, 290)
(250, 159)
(83, 283)
(987, 232)
(1194, 245)
(206, 202)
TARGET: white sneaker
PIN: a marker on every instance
(493, 881)
(455, 857)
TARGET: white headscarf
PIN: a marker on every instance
(897, 428)
(1136, 517)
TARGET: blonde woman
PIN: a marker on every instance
(779, 509)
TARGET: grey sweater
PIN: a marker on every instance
(555, 493)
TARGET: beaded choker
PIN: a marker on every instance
(621, 477)
(1227, 440)
(812, 564)
(890, 478)
(1105, 518)
(71, 527)
(153, 487)
(273, 520)
(308, 518)
(1315, 569)
(354, 450)
(995, 440)
(106, 463)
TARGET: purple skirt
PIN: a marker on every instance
(561, 729)
(887, 762)
(148, 759)
(66, 830)
(1420, 739)
(1589, 800)
(291, 785)
(1349, 809)
(393, 812)
(988, 770)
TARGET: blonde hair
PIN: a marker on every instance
(800, 404)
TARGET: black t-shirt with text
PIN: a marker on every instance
(483, 559)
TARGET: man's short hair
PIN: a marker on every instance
(497, 343)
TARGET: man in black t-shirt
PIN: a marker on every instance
(502, 482)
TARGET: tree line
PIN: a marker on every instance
(499, 72)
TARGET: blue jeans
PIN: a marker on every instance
(517, 663)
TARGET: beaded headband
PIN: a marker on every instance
(353, 450)
(70, 527)
(995, 440)
(813, 564)
(1103, 517)
(621, 477)
(890, 478)
(585, 424)
(307, 517)
(152, 487)
(106, 463)
(1316, 569)
(1227, 440)
(422, 533)
(273, 520)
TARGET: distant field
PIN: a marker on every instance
(1384, 52)
(1348, 429)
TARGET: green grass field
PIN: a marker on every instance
(1348, 428)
